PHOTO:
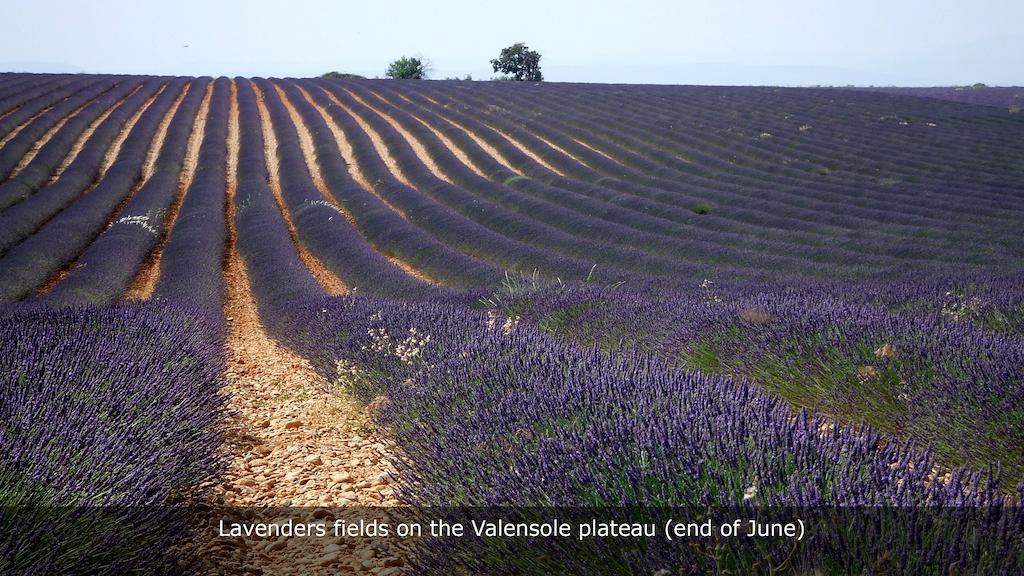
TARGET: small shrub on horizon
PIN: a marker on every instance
(333, 75)
(407, 68)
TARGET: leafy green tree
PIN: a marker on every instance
(519, 62)
(343, 76)
(407, 68)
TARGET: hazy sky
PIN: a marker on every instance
(792, 42)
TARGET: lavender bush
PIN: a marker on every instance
(492, 412)
(110, 421)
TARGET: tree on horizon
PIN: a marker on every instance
(519, 63)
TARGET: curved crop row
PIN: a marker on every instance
(453, 228)
(22, 219)
(918, 251)
(669, 194)
(103, 271)
(33, 102)
(474, 222)
(15, 147)
(26, 267)
(15, 88)
(53, 152)
(556, 206)
(722, 167)
(459, 194)
(674, 204)
(575, 175)
(790, 150)
(321, 228)
(782, 170)
(604, 245)
(385, 228)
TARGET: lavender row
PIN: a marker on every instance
(28, 265)
(277, 276)
(919, 247)
(598, 239)
(579, 255)
(19, 221)
(882, 151)
(674, 239)
(703, 142)
(898, 124)
(958, 123)
(538, 223)
(700, 144)
(192, 263)
(581, 165)
(388, 231)
(874, 141)
(16, 88)
(52, 154)
(710, 218)
(639, 168)
(808, 143)
(103, 271)
(673, 207)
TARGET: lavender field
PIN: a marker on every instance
(540, 296)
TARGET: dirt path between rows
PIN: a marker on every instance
(14, 131)
(290, 443)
